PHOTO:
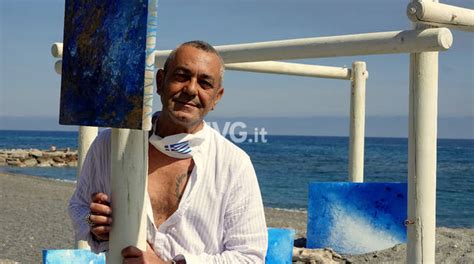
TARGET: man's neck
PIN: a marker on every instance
(163, 130)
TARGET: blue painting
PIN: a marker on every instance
(356, 218)
(108, 63)
(280, 246)
(61, 256)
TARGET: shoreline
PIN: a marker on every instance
(34, 217)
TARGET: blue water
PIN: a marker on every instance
(285, 165)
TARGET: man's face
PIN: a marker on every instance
(191, 86)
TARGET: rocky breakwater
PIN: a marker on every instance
(38, 158)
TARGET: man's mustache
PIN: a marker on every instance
(184, 100)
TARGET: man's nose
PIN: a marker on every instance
(191, 87)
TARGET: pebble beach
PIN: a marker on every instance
(33, 217)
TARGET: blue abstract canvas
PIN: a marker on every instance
(280, 246)
(355, 218)
(62, 256)
(108, 63)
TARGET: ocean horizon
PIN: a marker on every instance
(285, 165)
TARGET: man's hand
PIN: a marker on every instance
(101, 216)
(133, 255)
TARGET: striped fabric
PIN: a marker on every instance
(220, 218)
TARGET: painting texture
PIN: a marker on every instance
(355, 218)
(107, 71)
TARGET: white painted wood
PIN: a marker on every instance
(58, 66)
(287, 68)
(335, 46)
(357, 122)
(85, 138)
(423, 113)
(407, 41)
(443, 15)
(277, 67)
(57, 50)
(128, 187)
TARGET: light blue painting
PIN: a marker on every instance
(355, 218)
(73, 256)
(280, 246)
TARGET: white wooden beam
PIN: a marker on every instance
(408, 41)
(277, 67)
(443, 15)
(288, 68)
(336, 46)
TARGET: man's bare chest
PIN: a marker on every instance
(167, 180)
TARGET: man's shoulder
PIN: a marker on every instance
(226, 147)
(102, 141)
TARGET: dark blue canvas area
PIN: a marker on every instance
(104, 63)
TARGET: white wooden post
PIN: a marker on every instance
(129, 175)
(357, 122)
(423, 112)
(85, 138)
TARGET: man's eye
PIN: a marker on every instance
(206, 84)
(181, 77)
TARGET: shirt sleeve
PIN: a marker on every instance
(91, 180)
(246, 235)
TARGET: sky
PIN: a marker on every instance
(30, 88)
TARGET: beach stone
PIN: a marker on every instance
(58, 164)
(49, 154)
(3, 159)
(36, 153)
(72, 163)
(13, 162)
(30, 162)
(19, 154)
(71, 157)
(58, 159)
(316, 256)
(43, 164)
(3, 164)
(45, 160)
(3, 154)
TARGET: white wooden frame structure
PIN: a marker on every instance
(423, 43)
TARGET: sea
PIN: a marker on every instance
(285, 165)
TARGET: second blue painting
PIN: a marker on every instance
(108, 49)
(356, 218)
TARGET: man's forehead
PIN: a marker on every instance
(188, 52)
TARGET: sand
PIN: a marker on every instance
(33, 217)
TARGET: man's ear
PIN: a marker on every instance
(160, 80)
(219, 94)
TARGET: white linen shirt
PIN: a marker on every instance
(220, 218)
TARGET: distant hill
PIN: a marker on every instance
(392, 126)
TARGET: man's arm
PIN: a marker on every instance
(92, 180)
